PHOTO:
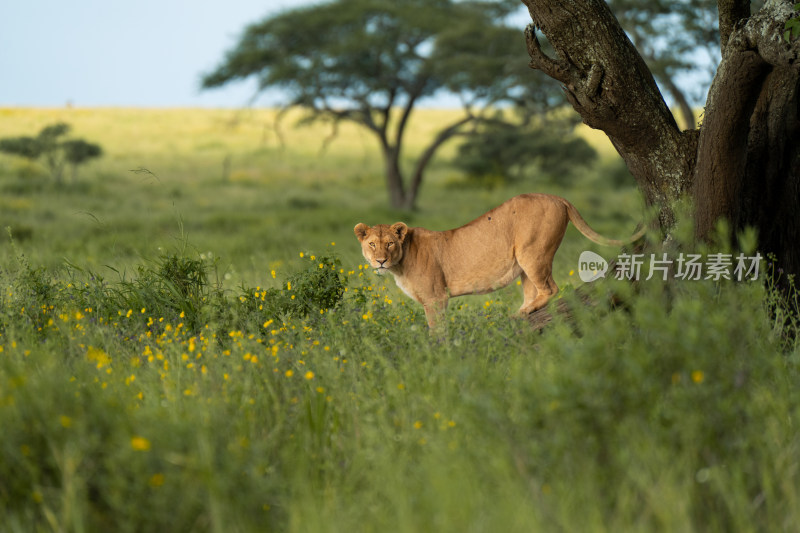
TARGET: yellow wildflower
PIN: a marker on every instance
(140, 444)
(98, 355)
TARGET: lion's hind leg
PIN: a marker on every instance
(538, 287)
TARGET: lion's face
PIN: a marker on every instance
(382, 244)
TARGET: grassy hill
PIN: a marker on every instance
(239, 184)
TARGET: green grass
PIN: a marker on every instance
(186, 369)
(163, 180)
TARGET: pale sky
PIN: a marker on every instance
(147, 53)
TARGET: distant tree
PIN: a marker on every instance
(372, 61)
(56, 153)
(500, 152)
(78, 152)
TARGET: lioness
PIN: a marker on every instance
(516, 239)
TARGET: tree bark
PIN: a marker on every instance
(731, 12)
(748, 166)
(743, 163)
(394, 177)
(609, 85)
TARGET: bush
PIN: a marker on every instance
(313, 291)
(508, 152)
(56, 153)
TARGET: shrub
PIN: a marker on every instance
(503, 152)
(312, 291)
(56, 153)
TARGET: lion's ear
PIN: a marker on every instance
(400, 230)
(361, 230)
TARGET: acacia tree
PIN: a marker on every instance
(741, 164)
(372, 61)
(56, 153)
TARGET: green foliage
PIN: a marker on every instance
(668, 413)
(27, 147)
(78, 151)
(372, 52)
(507, 152)
(676, 39)
(291, 407)
(372, 61)
(792, 26)
(56, 153)
(313, 291)
(32, 286)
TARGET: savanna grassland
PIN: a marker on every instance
(190, 342)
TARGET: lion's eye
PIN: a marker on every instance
(389, 244)
(372, 245)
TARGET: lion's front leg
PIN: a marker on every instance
(434, 311)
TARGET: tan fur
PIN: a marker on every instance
(516, 239)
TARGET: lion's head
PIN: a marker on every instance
(382, 244)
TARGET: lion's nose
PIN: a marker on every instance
(381, 261)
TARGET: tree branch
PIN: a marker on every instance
(558, 70)
(386, 112)
(763, 33)
(681, 102)
(427, 155)
(609, 85)
(731, 12)
(406, 113)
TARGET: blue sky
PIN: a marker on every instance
(147, 53)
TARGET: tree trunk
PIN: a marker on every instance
(424, 159)
(394, 178)
(609, 85)
(748, 168)
(743, 164)
(402, 195)
(687, 114)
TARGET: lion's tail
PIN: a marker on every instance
(576, 218)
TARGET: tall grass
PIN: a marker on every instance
(245, 383)
(677, 412)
